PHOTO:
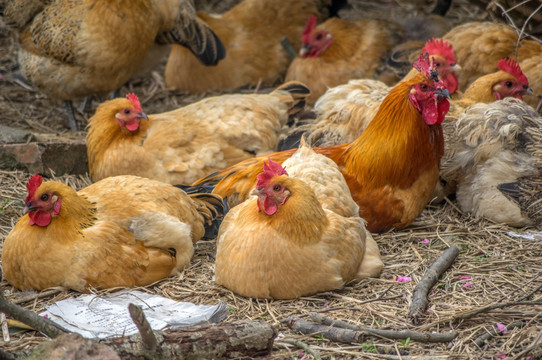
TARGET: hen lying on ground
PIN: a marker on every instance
(183, 145)
(301, 235)
(251, 32)
(500, 153)
(336, 51)
(119, 232)
(75, 49)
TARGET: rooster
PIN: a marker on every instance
(75, 49)
(499, 161)
(300, 235)
(343, 112)
(480, 45)
(391, 169)
(183, 145)
(251, 32)
(336, 51)
(119, 232)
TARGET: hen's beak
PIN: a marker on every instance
(142, 115)
(304, 50)
(28, 207)
(443, 93)
(456, 69)
(527, 90)
(257, 191)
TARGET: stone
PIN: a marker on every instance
(9, 135)
(45, 158)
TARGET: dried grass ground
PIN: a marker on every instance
(502, 268)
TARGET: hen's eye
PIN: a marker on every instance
(276, 187)
(423, 86)
(437, 64)
(508, 84)
(319, 37)
(44, 197)
(126, 111)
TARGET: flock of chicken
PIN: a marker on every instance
(367, 158)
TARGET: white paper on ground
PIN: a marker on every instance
(528, 234)
(102, 316)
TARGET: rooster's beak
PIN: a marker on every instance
(443, 93)
(142, 115)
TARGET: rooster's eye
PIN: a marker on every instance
(126, 111)
(508, 84)
(276, 187)
(437, 64)
(319, 37)
(44, 197)
(423, 86)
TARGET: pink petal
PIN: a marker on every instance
(426, 241)
(404, 278)
(501, 356)
(465, 278)
(502, 328)
(467, 285)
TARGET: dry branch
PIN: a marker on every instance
(341, 331)
(430, 278)
(480, 340)
(30, 318)
(147, 336)
(496, 306)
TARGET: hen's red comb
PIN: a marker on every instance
(425, 65)
(135, 101)
(512, 67)
(311, 24)
(270, 170)
(32, 185)
(440, 47)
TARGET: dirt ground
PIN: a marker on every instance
(496, 264)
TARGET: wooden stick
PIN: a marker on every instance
(349, 336)
(303, 346)
(493, 307)
(480, 340)
(430, 278)
(36, 296)
(30, 318)
(147, 336)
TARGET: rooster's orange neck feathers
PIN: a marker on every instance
(393, 158)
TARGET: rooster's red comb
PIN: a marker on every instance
(32, 185)
(440, 47)
(512, 67)
(425, 65)
(135, 101)
(311, 24)
(270, 170)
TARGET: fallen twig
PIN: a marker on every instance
(30, 318)
(493, 307)
(303, 346)
(147, 336)
(389, 334)
(356, 334)
(480, 340)
(36, 296)
(430, 278)
(529, 348)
